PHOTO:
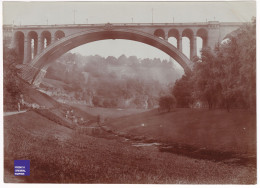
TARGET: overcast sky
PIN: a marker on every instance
(34, 13)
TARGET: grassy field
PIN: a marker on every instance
(220, 130)
(60, 155)
(110, 113)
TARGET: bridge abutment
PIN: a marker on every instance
(213, 35)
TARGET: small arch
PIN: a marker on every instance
(173, 33)
(159, 33)
(59, 34)
(32, 44)
(187, 33)
(45, 39)
(19, 45)
(203, 34)
(173, 37)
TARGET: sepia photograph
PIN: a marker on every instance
(124, 92)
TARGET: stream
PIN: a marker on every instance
(187, 150)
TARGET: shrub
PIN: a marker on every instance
(167, 103)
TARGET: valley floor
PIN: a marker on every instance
(59, 154)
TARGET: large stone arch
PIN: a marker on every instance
(65, 44)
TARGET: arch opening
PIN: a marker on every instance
(19, 45)
(173, 37)
(173, 41)
(67, 43)
(45, 39)
(186, 46)
(199, 46)
(32, 44)
(159, 33)
(59, 34)
(203, 34)
(188, 34)
(119, 47)
(173, 33)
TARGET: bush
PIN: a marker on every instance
(167, 103)
(96, 101)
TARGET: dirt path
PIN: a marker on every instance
(13, 113)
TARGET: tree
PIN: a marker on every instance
(226, 77)
(238, 59)
(11, 82)
(205, 79)
(167, 103)
(247, 39)
(182, 91)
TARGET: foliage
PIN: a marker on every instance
(205, 79)
(182, 91)
(225, 77)
(114, 82)
(167, 103)
(11, 82)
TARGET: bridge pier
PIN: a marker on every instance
(214, 34)
(205, 43)
(179, 43)
(26, 51)
(52, 38)
(193, 46)
(40, 45)
(166, 37)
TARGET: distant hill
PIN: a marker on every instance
(124, 82)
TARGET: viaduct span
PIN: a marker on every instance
(38, 45)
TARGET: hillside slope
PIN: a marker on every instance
(60, 155)
(215, 129)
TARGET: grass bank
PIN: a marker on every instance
(233, 131)
(58, 154)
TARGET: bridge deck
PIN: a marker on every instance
(131, 24)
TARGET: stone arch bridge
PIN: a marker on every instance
(38, 45)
